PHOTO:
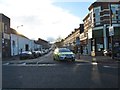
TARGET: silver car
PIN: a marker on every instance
(63, 54)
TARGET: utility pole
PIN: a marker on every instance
(18, 38)
(0, 55)
(111, 31)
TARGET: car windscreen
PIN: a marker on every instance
(64, 50)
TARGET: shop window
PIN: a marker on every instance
(119, 12)
(113, 12)
(99, 47)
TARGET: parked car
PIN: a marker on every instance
(26, 55)
(36, 54)
(63, 54)
(107, 52)
(39, 53)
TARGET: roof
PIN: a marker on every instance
(13, 31)
(100, 2)
(39, 39)
(86, 17)
(4, 15)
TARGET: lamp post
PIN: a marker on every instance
(0, 43)
(0, 56)
(18, 38)
(111, 31)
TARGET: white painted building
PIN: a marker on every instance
(14, 45)
(21, 43)
(37, 47)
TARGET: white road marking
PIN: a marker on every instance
(6, 64)
(24, 64)
(94, 63)
(106, 66)
(109, 67)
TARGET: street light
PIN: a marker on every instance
(0, 55)
(19, 26)
(111, 30)
(0, 44)
(18, 38)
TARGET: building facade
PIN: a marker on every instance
(72, 41)
(21, 43)
(96, 24)
(5, 28)
(45, 44)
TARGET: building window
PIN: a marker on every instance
(119, 12)
(5, 28)
(97, 15)
(113, 8)
(13, 43)
(91, 17)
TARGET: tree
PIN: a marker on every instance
(59, 42)
(58, 39)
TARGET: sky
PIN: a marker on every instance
(46, 19)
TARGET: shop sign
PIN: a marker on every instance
(89, 34)
(111, 31)
(77, 41)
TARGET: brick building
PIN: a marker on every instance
(96, 25)
(73, 39)
(45, 44)
(5, 28)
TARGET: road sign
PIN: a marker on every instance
(111, 31)
(77, 41)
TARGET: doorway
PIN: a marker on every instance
(26, 47)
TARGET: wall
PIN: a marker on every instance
(5, 28)
(14, 46)
(18, 44)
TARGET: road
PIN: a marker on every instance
(44, 72)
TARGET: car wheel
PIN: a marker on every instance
(53, 58)
(21, 58)
(58, 58)
(73, 60)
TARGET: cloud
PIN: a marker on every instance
(41, 19)
(74, 0)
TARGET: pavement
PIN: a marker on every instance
(13, 58)
(98, 59)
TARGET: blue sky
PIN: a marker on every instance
(46, 19)
(79, 9)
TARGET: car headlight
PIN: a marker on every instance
(73, 55)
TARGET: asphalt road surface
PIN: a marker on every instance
(44, 72)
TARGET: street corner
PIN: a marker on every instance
(108, 62)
